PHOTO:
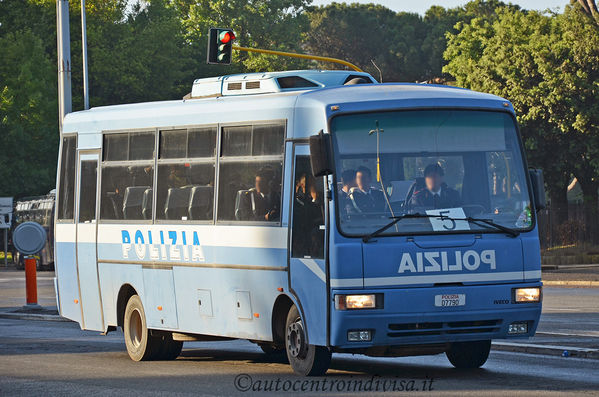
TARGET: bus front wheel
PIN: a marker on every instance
(141, 345)
(305, 359)
(469, 354)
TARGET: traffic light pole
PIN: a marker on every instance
(303, 56)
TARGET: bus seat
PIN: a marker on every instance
(399, 190)
(147, 204)
(238, 210)
(200, 203)
(177, 203)
(132, 202)
(416, 185)
(112, 210)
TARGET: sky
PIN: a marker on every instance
(420, 6)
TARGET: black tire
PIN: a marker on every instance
(169, 348)
(141, 345)
(306, 360)
(278, 354)
(469, 354)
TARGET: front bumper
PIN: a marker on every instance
(410, 317)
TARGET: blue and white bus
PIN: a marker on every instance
(310, 212)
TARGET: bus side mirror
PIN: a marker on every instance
(320, 154)
(538, 188)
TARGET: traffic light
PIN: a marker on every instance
(220, 45)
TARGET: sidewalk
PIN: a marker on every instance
(12, 295)
(571, 275)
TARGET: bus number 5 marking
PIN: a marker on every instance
(443, 216)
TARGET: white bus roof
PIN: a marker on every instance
(274, 103)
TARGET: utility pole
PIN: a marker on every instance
(84, 49)
(63, 38)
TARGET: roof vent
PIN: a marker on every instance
(252, 85)
(356, 79)
(295, 82)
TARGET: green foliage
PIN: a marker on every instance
(153, 49)
(366, 33)
(547, 66)
(28, 116)
(271, 24)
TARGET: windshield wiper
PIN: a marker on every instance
(396, 219)
(476, 221)
(488, 222)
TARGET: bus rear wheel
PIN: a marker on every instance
(469, 354)
(141, 345)
(305, 359)
(169, 348)
(271, 350)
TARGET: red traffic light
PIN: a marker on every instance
(226, 37)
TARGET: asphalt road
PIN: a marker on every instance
(57, 358)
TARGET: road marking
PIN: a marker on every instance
(552, 347)
(590, 333)
(6, 280)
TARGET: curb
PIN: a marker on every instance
(570, 283)
(581, 266)
(562, 351)
(33, 316)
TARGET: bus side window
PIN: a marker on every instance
(87, 191)
(124, 189)
(250, 173)
(127, 175)
(185, 182)
(307, 233)
(66, 187)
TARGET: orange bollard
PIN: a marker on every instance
(31, 280)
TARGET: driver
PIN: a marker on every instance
(435, 194)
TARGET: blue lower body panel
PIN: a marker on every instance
(409, 316)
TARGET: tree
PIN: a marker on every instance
(438, 21)
(271, 24)
(589, 7)
(569, 68)
(363, 33)
(546, 65)
(28, 115)
(497, 54)
(134, 56)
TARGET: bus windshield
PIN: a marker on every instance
(457, 164)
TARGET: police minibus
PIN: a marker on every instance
(310, 212)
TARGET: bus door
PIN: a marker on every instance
(307, 268)
(87, 270)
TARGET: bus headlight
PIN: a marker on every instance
(527, 295)
(350, 302)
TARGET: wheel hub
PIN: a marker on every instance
(135, 329)
(296, 340)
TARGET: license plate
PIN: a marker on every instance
(450, 300)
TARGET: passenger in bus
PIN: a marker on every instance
(260, 203)
(364, 198)
(316, 219)
(435, 194)
(176, 177)
(308, 215)
(348, 181)
(300, 189)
